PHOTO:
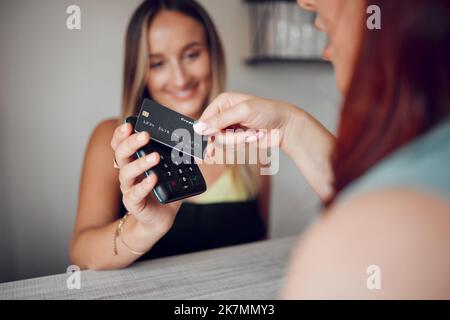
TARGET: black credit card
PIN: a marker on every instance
(170, 128)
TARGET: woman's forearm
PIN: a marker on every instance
(94, 248)
(309, 144)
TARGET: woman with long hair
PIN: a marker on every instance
(174, 56)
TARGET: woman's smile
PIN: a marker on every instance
(184, 94)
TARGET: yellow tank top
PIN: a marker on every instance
(225, 189)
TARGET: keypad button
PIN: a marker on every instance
(173, 186)
(184, 183)
(194, 181)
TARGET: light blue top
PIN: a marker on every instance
(422, 165)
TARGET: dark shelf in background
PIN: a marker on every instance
(265, 60)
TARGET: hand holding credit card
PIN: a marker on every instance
(170, 128)
(173, 137)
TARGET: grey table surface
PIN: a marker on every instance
(250, 271)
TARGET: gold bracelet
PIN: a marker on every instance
(118, 234)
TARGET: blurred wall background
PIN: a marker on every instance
(57, 84)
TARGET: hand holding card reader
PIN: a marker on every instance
(179, 177)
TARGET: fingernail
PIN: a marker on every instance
(151, 158)
(123, 127)
(199, 127)
(141, 136)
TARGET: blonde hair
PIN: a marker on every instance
(137, 63)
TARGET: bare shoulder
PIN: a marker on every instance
(100, 139)
(387, 244)
(99, 152)
(104, 130)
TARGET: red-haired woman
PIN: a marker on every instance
(385, 178)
